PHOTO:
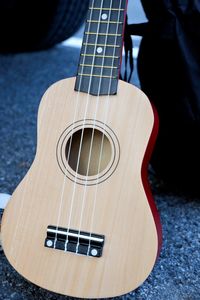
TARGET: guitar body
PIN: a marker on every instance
(113, 203)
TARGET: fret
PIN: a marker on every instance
(102, 39)
(112, 16)
(101, 45)
(104, 22)
(114, 4)
(102, 33)
(99, 61)
(98, 55)
(98, 70)
(101, 50)
(95, 75)
(107, 8)
(98, 66)
(106, 30)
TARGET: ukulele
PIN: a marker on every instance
(83, 222)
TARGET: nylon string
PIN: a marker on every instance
(71, 139)
(84, 122)
(105, 121)
(93, 129)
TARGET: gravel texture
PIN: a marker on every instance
(23, 80)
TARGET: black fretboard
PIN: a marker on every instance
(99, 65)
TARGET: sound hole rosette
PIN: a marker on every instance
(62, 159)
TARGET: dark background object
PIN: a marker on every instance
(169, 71)
(33, 25)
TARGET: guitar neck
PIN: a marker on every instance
(100, 59)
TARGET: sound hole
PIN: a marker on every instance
(94, 152)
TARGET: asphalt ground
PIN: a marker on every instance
(23, 80)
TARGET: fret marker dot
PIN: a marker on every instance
(104, 16)
(94, 252)
(99, 50)
(49, 243)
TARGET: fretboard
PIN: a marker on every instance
(100, 59)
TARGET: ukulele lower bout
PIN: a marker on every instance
(105, 242)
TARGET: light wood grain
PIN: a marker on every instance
(122, 211)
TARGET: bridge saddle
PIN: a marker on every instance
(70, 240)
